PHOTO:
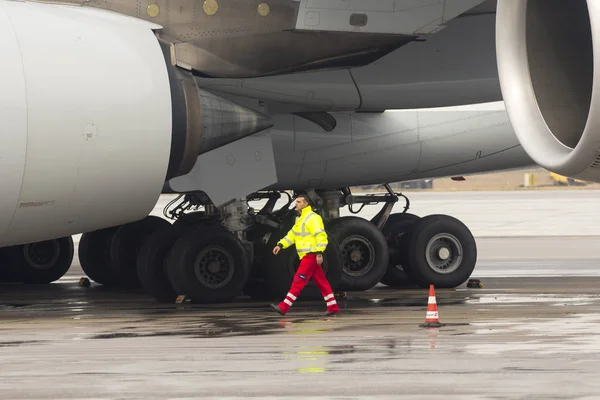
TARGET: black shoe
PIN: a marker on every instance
(331, 313)
(277, 309)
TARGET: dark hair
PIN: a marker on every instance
(306, 198)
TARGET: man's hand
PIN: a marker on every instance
(319, 259)
(276, 250)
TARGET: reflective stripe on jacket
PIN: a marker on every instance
(308, 234)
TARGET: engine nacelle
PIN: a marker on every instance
(93, 120)
(546, 52)
(85, 120)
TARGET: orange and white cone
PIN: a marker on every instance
(432, 318)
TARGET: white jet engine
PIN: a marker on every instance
(94, 119)
(546, 52)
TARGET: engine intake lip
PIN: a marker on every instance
(523, 97)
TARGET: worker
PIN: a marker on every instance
(310, 238)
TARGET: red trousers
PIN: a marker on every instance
(309, 268)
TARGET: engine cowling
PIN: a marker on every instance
(546, 51)
(93, 120)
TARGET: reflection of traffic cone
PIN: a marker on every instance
(432, 319)
(433, 334)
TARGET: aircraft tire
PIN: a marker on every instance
(152, 263)
(39, 263)
(125, 246)
(257, 286)
(94, 256)
(442, 252)
(359, 238)
(208, 266)
(282, 267)
(397, 231)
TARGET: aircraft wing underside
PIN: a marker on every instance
(235, 38)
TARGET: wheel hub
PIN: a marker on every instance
(358, 255)
(214, 267)
(355, 256)
(42, 255)
(444, 253)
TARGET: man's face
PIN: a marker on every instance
(300, 203)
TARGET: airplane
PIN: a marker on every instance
(106, 105)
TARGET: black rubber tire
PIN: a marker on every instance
(282, 267)
(347, 227)
(20, 265)
(181, 265)
(9, 273)
(94, 256)
(4, 272)
(152, 263)
(397, 232)
(125, 246)
(257, 286)
(425, 230)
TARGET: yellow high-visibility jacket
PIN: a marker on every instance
(308, 234)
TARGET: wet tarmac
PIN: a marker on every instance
(536, 335)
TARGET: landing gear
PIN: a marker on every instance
(364, 252)
(437, 249)
(108, 256)
(125, 246)
(152, 264)
(214, 254)
(42, 262)
(208, 267)
(94, 256)
(397, 232)
(442, 252)
(363, 246)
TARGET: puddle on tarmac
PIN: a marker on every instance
(217, 326)
(517, 299)
(17, 343)
(578, 334)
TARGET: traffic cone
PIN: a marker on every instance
(432, 319)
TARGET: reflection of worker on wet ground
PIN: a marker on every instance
(310, 238)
